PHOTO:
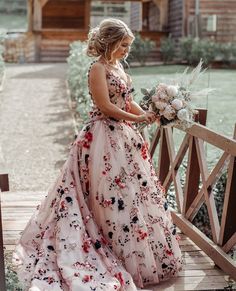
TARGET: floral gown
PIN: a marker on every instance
(105, 224)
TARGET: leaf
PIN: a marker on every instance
(144, 91)
(152, 92)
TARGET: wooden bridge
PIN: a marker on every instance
(207, 264)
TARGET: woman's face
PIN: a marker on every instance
(123, 49)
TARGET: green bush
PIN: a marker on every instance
(227, 52)
(12, 281)
(167, 49)
(140, 49)
(194, 49)
(77, 80)
(186, 44)
(2, 64)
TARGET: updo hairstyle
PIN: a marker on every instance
(104, 39)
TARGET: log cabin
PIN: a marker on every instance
(53, 24)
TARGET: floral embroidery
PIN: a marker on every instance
(106, 210)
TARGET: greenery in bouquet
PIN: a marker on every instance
(172, 102)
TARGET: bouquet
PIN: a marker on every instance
(172, 103)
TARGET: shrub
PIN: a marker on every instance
(167, 49)
(140, 49)
(2, 64)
(227, 52)
(77, 80)
(12, 281)
(194, 49)
(186, 44)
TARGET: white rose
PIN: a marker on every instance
(183, 115)
(177, 104)
(160, 105)
(169, 112)
(172, 91)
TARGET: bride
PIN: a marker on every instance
(105, 224)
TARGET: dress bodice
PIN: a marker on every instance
(119, 90)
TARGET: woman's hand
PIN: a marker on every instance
(148, 117)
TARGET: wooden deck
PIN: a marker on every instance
(199, 272)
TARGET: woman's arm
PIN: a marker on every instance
(136, 109)
(99, 90)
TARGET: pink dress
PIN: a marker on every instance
(105, 224)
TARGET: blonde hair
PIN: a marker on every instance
(104, 39)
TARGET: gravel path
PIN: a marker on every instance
(36, 125)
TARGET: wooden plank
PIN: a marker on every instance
(2, 265)
(197, 202)
(192, 176)
(205, 244)
(37, 15)
(155, 141)
(230, 243)
(225, 143)
(228, 228)
(174, 172)
(209, 198)
(178, 160)
(30, 15)
(164, 160)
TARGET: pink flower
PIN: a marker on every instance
(160, 105)
(169, 112)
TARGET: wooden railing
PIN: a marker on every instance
(196, 188)
(4, 186)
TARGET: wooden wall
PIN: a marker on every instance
(64, 14)
(226, 18)
(176, 19)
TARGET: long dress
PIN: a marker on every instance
(104, 224)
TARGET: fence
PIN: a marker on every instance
(197, 187)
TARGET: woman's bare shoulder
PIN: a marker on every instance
(97, 68)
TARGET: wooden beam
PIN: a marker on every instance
(87, 14)
(37, 15)
(2, 264)
(227, 144)
(228, 226)
(163, 6)
(220, 258)
(30, 14)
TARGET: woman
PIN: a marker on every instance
(105, 223)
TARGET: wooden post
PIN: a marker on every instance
(87, 14)
(193, 170)
(30, 15)
(163, 6)
(37, 26)
(2, 264)
(4, 182)
(228, 225)
(164, 159)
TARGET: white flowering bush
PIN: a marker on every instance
(77, 79)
